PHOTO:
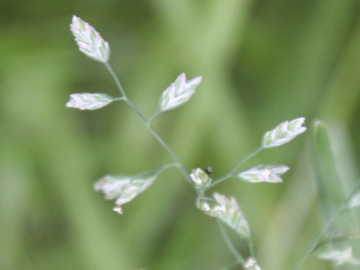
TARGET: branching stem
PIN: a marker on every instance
(317, 237)
(232, 173)
(148, 125)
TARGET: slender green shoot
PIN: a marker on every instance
(232, 173)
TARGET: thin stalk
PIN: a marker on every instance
(229, 244)
(118, 98)
(251, 246)
(147, 124)
(157, 170)
(232, 173)
(316, 239)
(107, 65)
(314, 243)
(240, 259)
(163, 167)
(171, 153)
(154, 116)
(229, 267)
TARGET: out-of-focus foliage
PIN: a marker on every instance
(262, 62)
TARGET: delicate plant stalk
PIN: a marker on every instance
(229, 267)
(232, 173)
(229, 244)
(240, 259)
(317, 237)
(251, 246)
(147, 124)
(125, 188)
(116, 80)
(154, 116)
(119, 98)
(164, 167)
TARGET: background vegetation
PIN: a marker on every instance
(262, 62)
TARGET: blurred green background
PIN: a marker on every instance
(262, 62)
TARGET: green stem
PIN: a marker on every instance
(232, 173)
(229, 267)
(148, 126)
(118, 98)
(154, 116)
(314, 243)
(316, 239)
(229, 244)
(157, 170)
(240, 259)
(107, 65)
(251, 247)
(163, 167)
